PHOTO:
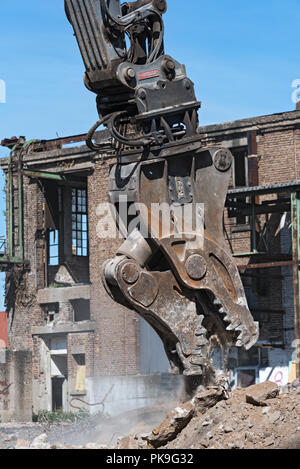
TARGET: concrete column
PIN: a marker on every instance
(295, 211)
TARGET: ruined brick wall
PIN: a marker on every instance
(279, 162)
(114, 347)
(22, 284)
(278, 141)
(279, 153)
(116, 337)
(16, 384)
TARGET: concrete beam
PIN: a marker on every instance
(61, 295)
(66, 328)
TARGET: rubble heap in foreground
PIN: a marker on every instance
(263, 416)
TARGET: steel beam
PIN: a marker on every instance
(44, 175)
(268, 265)
(295, 211)
(262, 190)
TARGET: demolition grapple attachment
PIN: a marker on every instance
(168, 192)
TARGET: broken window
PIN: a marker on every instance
(244, 366)
(79, 223)
(53, 247)
(81, 310)
(248, 365)
(80, 359)
(240, 167)
(51, 312)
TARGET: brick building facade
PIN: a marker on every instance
(56, 304)
(259, 230)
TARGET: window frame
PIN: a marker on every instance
(80, 229)
(51, 246)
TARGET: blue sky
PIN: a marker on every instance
(242, 56)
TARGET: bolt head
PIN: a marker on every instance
(142, 94)
(130, 273)
(196, 267)
(223, 159)
(130, 73)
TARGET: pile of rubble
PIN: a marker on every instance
(263, 416)
(260, 417)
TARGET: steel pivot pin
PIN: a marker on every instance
(196, 267)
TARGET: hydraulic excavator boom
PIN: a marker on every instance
(174, 267)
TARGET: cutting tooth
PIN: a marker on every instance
(202, 341)
(197, 352)
(248, 345)
(198, 360)
(217, 302)
(241, 331)
(227, 319)
(195, 371)
(239, 343)
(232, 327)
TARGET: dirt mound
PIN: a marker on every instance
(260, 417)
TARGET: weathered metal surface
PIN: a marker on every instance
(196, 267)
(10, 256)
(268, 265)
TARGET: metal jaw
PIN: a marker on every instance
(181, 278)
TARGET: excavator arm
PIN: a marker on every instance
(174, 267)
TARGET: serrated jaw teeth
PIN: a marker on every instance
(233, 326)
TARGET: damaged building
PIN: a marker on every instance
(68, 342)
